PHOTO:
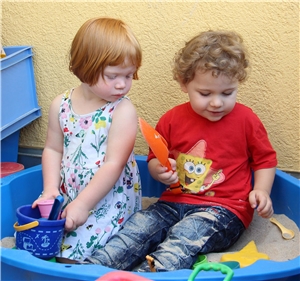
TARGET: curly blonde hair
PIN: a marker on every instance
(219, 51)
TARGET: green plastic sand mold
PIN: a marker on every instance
(212, 266)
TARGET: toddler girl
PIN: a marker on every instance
(88, 155)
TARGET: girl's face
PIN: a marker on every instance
(115, 83)
(211, 97)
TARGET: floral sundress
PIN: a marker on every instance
(85, 142)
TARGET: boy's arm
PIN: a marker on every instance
(259, 197)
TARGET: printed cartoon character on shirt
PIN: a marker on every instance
(195, 172)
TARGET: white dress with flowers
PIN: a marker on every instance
(85, 142)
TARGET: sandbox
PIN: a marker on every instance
(23, 188)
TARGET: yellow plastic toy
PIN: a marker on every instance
(2, 52)
(247, 256)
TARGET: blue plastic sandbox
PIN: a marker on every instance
(23, 188)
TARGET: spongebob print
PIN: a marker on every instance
(192, 171)
(195, 172)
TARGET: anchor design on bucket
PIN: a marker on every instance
(46, 241)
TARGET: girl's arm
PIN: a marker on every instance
(52, 154)
(259, 197)
(121, 139)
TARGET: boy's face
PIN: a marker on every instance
(211, 97)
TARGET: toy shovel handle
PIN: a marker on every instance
(175, 187)
(212, 266)
(56, 208)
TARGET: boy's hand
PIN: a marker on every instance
(162, 174)
(261, 201)
(76, 214)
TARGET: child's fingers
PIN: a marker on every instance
(35, 203)
(70, 224)
(252, 200)
(161, 169)
(173, 164)
(266, 210)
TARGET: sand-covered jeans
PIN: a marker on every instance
(173, 234)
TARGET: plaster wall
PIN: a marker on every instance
(270, 30)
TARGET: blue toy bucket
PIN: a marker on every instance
(41, 237)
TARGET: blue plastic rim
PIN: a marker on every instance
(42, 241)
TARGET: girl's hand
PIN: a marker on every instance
(261, 201)
(46, 195)
(76, 214)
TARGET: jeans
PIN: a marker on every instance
(173, 234)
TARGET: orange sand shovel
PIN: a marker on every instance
(159, 147)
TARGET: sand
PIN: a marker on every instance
(265, 234)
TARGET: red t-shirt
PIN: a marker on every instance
(215, 160)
